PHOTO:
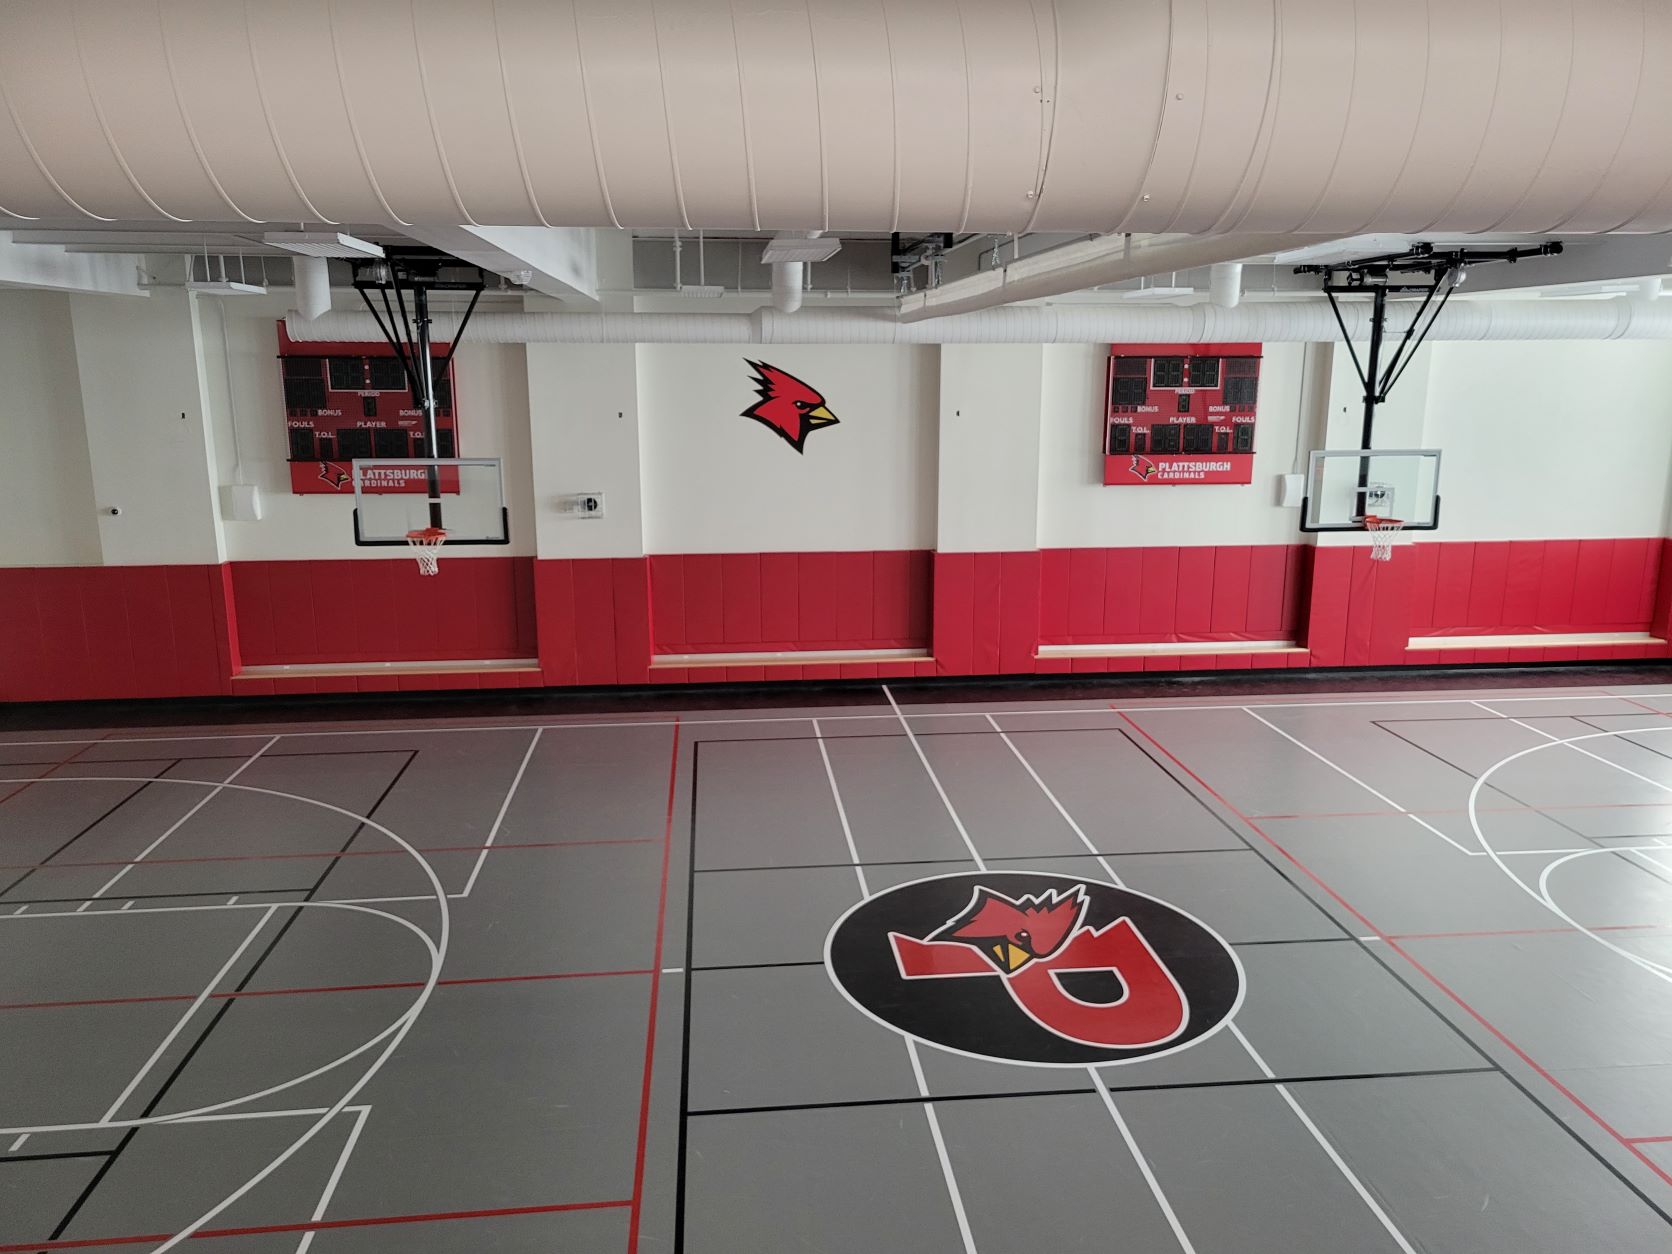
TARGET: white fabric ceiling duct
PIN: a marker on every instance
(786, 285)
(1273, 322)
(1193, 116)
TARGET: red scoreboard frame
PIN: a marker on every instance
(346, 401)
(1177, 414)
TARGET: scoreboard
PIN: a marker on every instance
(347, 401)
(1180, 413)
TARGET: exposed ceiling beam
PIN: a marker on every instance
(52, 268)
(1107, 259)
(554, 261)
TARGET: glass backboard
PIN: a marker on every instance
(392, 496)
(1344, 485)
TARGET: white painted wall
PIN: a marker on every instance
(1551, 440)
(492, 404)
(46, 481)
(964, 448)
(584, 411)
(989, 447)
(150, 450)
(715, 482)
(1076, 509)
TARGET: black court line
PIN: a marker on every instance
(180, 896)
(200, 757)
(220, 1013)
(1250, 1082)
(987, 729)
(43, 1158)
(72, 840)
(1385, 959)
(1637, 864)
(1646, 866)
(1467, 774)
(819, 962)
(685, 1030)
(1017, 857)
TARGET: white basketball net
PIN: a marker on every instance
(1383, 532)
(426, 547)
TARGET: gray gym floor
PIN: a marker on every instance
(558, 984)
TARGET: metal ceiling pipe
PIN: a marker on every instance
(786, 285)
(1268, 322)
(1089, 263)
(1227, 116)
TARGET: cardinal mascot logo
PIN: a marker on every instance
(1033, 968)
(333, 474)
(1143, 467)
(787, 405)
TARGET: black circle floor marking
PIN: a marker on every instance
(1034, 968)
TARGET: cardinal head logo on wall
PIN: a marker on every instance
(787, 405)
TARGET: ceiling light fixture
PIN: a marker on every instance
(800, 248)
(323, 244)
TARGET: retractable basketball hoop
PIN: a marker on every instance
(426, 545)
(425, 503)
(1383, 532)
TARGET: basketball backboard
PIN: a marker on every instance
(1345, 485)
(392, 496)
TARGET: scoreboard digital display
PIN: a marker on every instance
(348, 401)
(1180, 413)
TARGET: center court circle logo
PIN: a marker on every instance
(1025, 967)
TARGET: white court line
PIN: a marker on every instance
(934, 779)
(17, 1144)
(336, 1176)
(1156, 1191)
(1253, 1054)
(954, 1194)
(1343, 771)
(181, 821)
(394, 1034)
(1323, 1142)
(1539, 731)
(1161, 704)
(499, 819)
(180, 1025)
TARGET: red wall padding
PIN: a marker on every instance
(771, 602)
(383, 611)
(72, 633)
(1140, 595)
(594, 619)
(1516, 587)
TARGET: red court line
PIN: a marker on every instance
(330, 853)
(317, 1225)
(637, 1208)
(1530, 931)
(322, 988)
(55, 766)
(1393, 944)
(1651, 709)
(1649, 1140)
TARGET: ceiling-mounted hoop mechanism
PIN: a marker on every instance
(907, 253)
(418, 272)
(1423, 269)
